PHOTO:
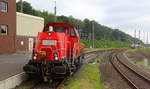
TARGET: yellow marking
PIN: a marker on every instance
(43, 53)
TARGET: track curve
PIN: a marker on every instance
(136, 78)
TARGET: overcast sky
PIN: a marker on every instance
(127, 15)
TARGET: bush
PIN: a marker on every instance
(106, 44)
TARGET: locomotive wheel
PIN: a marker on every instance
(79, 62)
(69, 72)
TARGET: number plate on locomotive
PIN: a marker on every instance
(49, 42)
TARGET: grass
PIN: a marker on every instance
(144, 50)
(95, 49)
(141, 63)
(138, 50)
(89, 79)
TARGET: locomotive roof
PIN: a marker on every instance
(59, 24)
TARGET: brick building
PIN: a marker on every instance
(17, 30)
(7, 26)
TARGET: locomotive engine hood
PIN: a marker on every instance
(52, 44)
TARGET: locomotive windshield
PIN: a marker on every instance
(58, 29)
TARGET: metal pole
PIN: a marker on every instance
(90, 39)
(55, 11)
(144, 38)
(139, 34)
(135, 37)
(147, 37)
(93, 31)
(135, 33)
(21, 7)
(143, 35)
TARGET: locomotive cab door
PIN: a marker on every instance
(74, 39)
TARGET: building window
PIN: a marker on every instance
(4, 29)
(4, 6)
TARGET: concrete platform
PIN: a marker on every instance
(12, 64)
(12, 82)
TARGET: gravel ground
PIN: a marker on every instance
(110, 77)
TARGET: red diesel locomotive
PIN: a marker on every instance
(57, 52)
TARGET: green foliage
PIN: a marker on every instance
(146, 50)
(27, 8)
(141, 63)
(106, 44)
(102, 32)
(142, 51)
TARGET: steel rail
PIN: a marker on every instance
(59, 83)
(120, 72)
(113, 57)
(133, 70)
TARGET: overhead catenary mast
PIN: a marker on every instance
(143, 36)
(139, 34)
(135, 33)
(135, 36)
(21, 6)
(93, 32)
(55, 11)
(147, 38)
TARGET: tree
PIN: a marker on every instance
(27, 8)
(101, 32)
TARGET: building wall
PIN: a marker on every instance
(22, 43)
(28, 25)
(27, 29)
(7, 42)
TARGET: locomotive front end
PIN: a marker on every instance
(49, 53)
(57, 52)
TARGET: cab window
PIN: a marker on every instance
(72, 33)
(58, 29)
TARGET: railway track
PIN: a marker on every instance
(57, 84)
(135, 77)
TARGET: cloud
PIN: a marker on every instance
(126, 15)
(80, 9)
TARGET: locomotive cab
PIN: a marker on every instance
(57, 51)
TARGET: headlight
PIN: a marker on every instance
(56, 56)
(35, 56)
(49, 33)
